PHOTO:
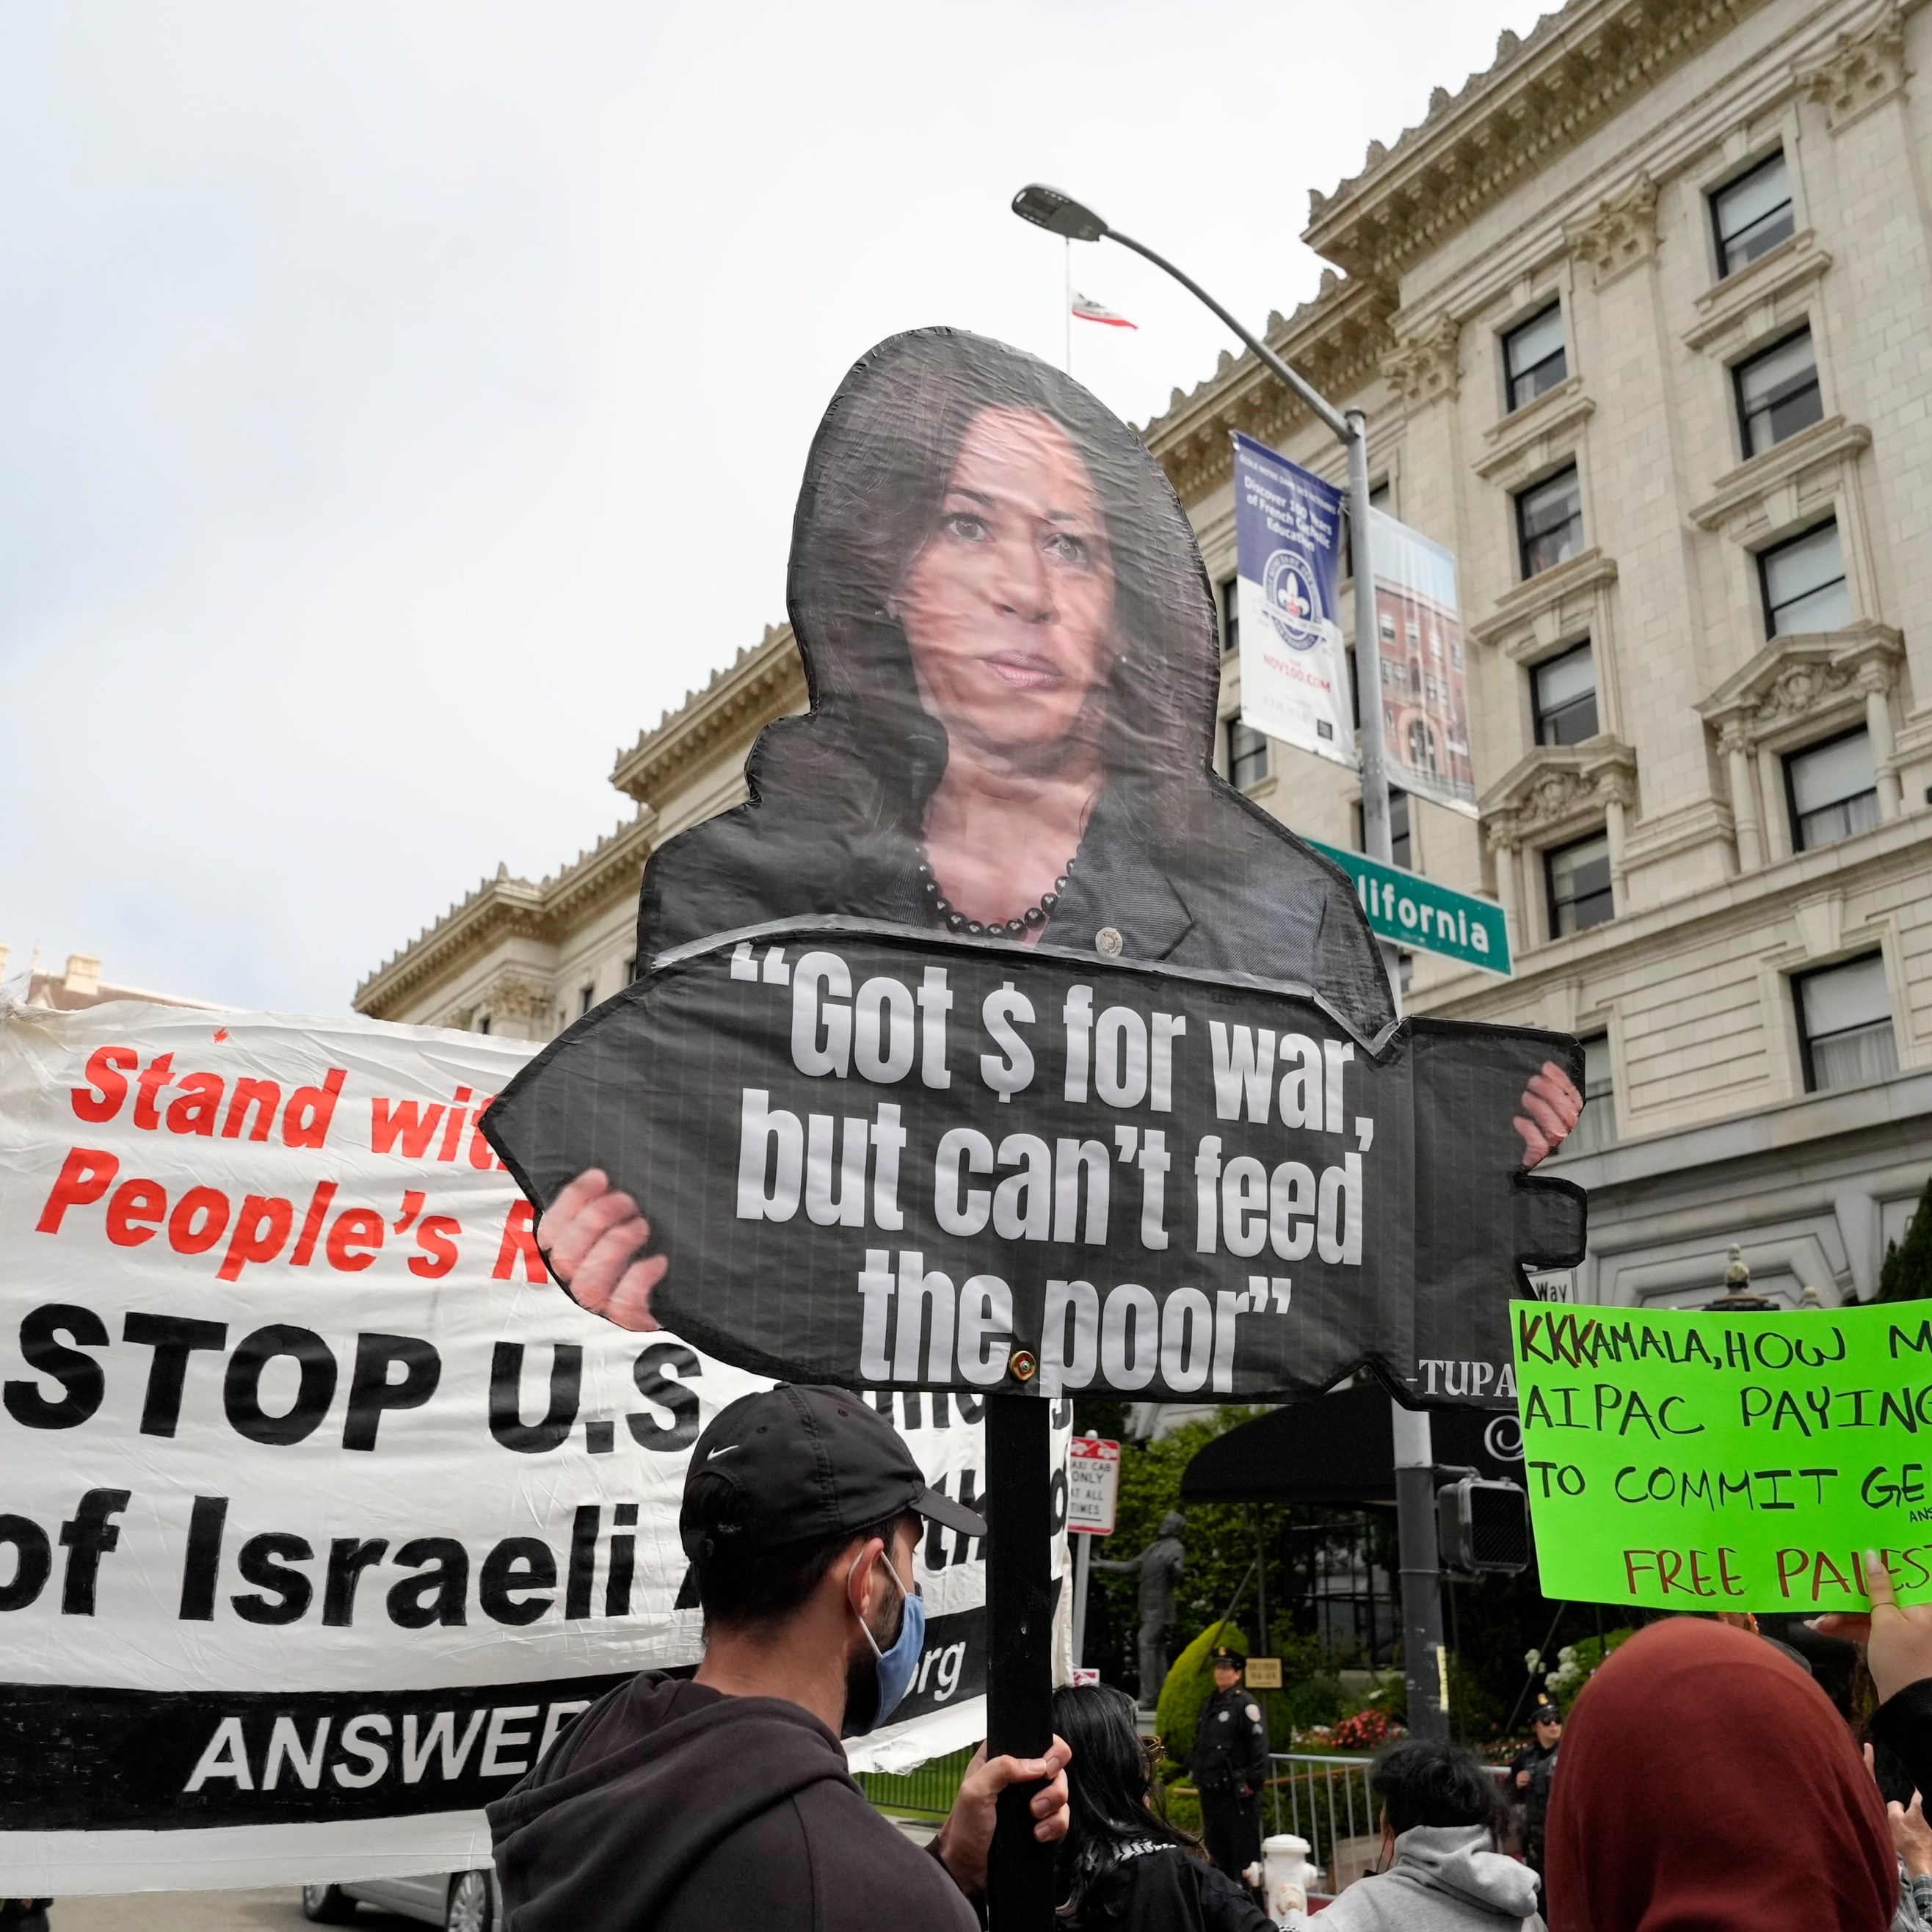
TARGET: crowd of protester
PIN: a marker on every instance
(1702, 1780)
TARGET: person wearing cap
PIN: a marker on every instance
(1531, 1772)
(723, 1799)
(1229, 1765)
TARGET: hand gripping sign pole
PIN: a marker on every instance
(1415, 1484)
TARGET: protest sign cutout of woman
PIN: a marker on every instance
(1013, 665)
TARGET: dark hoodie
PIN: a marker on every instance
(669, 1807)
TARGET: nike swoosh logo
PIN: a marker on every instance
(713, 1455)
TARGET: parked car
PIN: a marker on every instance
(464, 1901)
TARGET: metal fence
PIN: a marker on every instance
(1326, 1800)
(1323, 1799)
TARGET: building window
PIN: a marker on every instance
(1231, 615)
(1533, 356)
(1578, 877)
(1597, 1129)
(1247, 755)
(585, 995)
(1832, 790)
(630, 969)
(482, 1023)
(1549, 522)
(1777, 393)
(1803, 583)
(1402, 847)
(1752, 214)
(1844, 1024)
(1563, 696)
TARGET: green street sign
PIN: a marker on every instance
(1411, 910)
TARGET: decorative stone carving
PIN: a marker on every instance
(1797, 692)
(1862, 69)
(1794, 684)
(1620, 235)
(1555, 787)
(1426, 370)
(514, 996)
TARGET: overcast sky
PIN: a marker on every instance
(400, 406)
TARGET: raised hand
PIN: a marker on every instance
(1551, 1107)
(593, 1236)
(1897, 1641)
(1911, 1836)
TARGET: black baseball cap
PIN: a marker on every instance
(811, 1464)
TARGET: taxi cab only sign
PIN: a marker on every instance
(1710, 1461)
(889, 1160)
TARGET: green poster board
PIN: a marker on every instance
(1711, 1461)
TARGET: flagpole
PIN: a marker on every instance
(1066, 304)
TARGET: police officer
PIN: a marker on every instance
(1531, 1770)
(1229, 1767)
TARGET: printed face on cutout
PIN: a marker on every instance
(1008, 607)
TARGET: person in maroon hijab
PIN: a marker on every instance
(1707, 1783)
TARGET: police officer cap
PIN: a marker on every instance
(1225, 1659)
(1546, 1712)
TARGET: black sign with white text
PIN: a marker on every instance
(887, 1159)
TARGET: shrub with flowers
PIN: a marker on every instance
(1366, 1730)
(1577, 1663)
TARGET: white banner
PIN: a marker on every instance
(1425, 683)
(1294, 674)
(321, 1510)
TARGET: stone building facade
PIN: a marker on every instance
(1638, 318)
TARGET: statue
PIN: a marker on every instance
(1738, 1298)
(1158, 1567)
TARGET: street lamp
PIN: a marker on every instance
(1060, 213)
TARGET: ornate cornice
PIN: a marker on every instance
(1865, 67)
(1425, 367)
(502, 909)
(765, 683)
(1555, 789)
(1578, 67)
(1338, 341)
(1798, 681)
(1619, 234)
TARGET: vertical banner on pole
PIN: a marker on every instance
(1288, 533)
(1425, 691)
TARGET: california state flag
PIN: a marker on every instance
(1087, 310)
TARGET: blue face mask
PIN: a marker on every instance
(899, 1665)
